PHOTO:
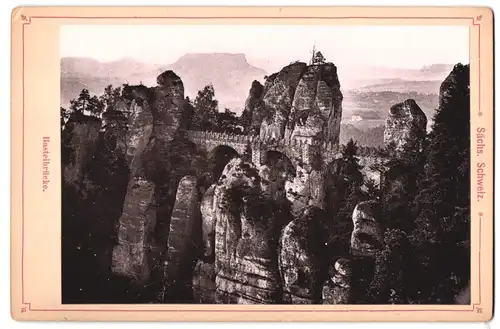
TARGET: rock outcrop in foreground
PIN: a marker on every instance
(246, 238)
(338, 290)
(366, 237)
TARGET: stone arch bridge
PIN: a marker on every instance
(304, 151)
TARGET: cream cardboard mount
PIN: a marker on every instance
(235, 164)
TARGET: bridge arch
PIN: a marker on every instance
(219, 157)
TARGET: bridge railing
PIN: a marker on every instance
(298, 141)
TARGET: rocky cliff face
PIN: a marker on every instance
(181, 243)
(168, 104)
(317, 104)
(255, 110)
(304, 101)
(405, 124)
(278, 100)
(132, 257)
(204, 272)
(246, 238)
(81, 138)
(302, 257)
(156, 116)
(338, 290)
(140, 129)
(305, 188)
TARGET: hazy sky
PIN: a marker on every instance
(392, 46)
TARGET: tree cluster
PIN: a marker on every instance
(206, 115)
(426, 206)
(92, 105)
(424, 196)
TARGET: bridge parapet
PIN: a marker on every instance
(222, 137)
(299, 147)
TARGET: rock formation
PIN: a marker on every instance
(255, 110)
(132, 256)
(317, 105)
(305, 188)
(137, 253)
(337, 290)
(181, 242)
(208, 223)
(140, 129)
(247, 233)
(302, 101)
(301, 259)
(204, 283)
(278, 100)
(80, 141)
(168, 105)
(405, 124)
(115, 131)
(204, 271)
(366, 238)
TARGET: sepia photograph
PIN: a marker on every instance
(265, 164)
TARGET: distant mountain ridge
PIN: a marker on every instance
(230, 74)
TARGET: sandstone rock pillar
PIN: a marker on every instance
(302, 264)
(181, 240)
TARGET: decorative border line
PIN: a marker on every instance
(26, 306)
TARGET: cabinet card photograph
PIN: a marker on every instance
(255, 164)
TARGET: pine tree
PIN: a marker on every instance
(86, 104)
(206, 109)
(81, 104)
(64, 116)
(449, 144)
(351, 170)
(110, 96)
(227, 122)
(96, 107)
(425, 243)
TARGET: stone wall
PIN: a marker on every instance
(298, 149)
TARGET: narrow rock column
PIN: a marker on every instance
(130, 256)
(301, 259)
(204, 271)
(180, 247)
(405, 124)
